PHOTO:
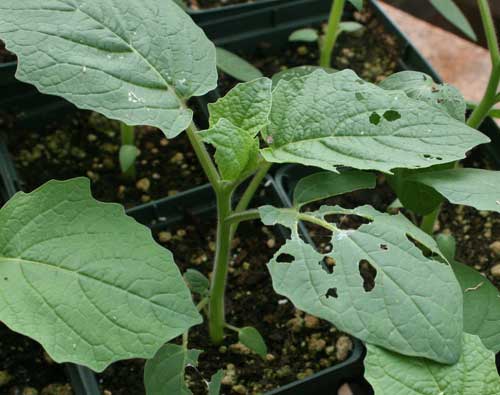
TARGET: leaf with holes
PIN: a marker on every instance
(327, 120)
(453, 14)
(325, 184)
(421, 86)
(383, 290)
(132, 61)
(236, 66)
(481, 306)
(246, 106)
(475, 373)
(477, 188)
(86, 281)
(164, 374)
(237, 151)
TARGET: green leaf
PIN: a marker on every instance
(325, 184)
(472, 187)
(473, 374)
(237, 151)
(246, 106)
(481, 306)
(453, 14)
(197, 282)
(448, 246)
(357, 3)
(350, 27)
(421, 86)
(411, 294)
(128, 155)
(86, 281)
(236, 66)
(132, 61)
(307, 34)
(250, 337)
(164, 374)
(327, 120)
(299, 71)
(215, 383)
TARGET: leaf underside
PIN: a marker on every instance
(411, 294)
(327, 120)
(131, 61)
(86, 281)
(475, 373)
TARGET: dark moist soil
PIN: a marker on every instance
(5, 56)
(205, 4)
(298, 344)
(372, 53)
(87, 144)
(25, 369)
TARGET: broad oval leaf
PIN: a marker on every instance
(350, 27)
(325, 184)
(128, 154)
(306, 34)
(475, 373)
(421, 86)
(453, 14)
(327, 120)
(410, 294)
(197, 282)
(251, 338)
(472, 187)
(236, 66)
(86, 281)
(481, 306)
(132, 61)
(164, 374)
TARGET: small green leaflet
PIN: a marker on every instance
(197, 282)
(86, 281)
(215, 383)
(448, 246)
(164, 374)
(250, 337)
(475, 373)
(237, 151)
(481, 306)
(236, 66)
(127, 156)
(306, 34)
(132, 61)
(472, 187)
(350, 27)
(328, 120)
(411, 294)
(246, 106)
(325, 184)
(299, 71)
(357, 3)
(421, 86)
(453, 14)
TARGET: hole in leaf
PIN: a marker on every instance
(425, 251)
(391, 115)
(359, 96)
(374, 118)
(285, 258)
(384, 247)
(332, 293)
(368, 274)
(347, 222)
(328, 264)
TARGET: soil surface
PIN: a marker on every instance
(298, 344)
(204, 4)
(5, 56)
(87, 144)
(25, 369)
(372, 53)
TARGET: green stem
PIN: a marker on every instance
(232, 327)
(490, 97)
(429, 221)
(331, 33)
(247, 215)
(203, 156)
(127, 134)
(219, 274)
(317, 221)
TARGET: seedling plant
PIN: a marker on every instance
(91, 285)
